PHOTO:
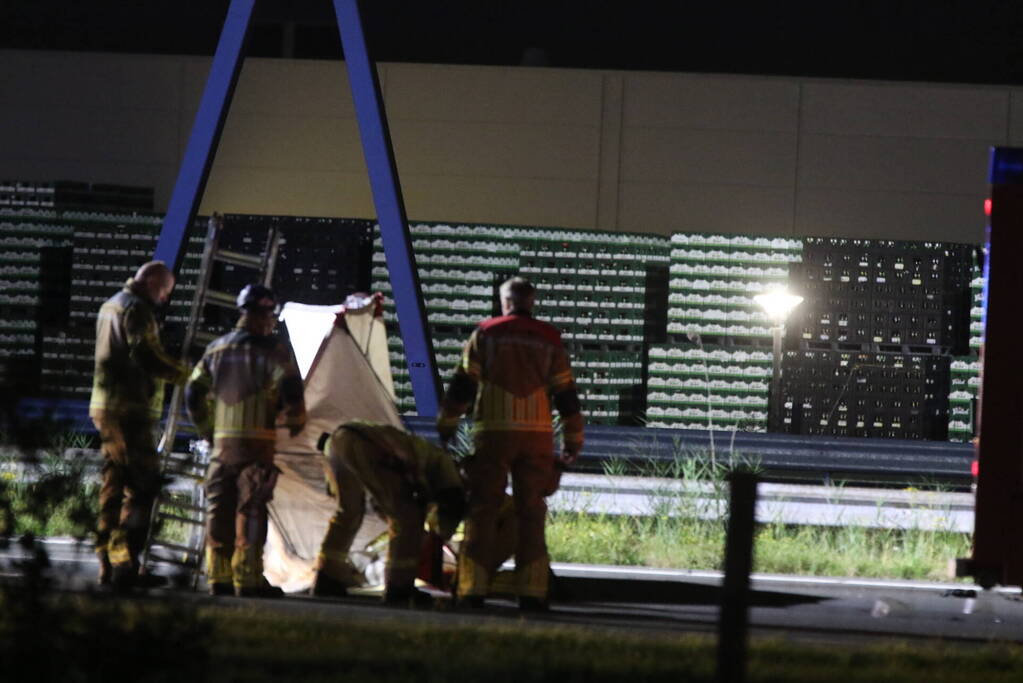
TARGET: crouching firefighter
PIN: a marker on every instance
(246, 384)
(409, 480)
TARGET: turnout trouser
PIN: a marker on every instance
(130, 481)
(527, 456)
(355, 467)
(237, 494)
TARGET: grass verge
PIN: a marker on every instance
(671, 542)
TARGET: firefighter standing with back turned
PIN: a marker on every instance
(127, 400)
(246, 384)
(511, 369)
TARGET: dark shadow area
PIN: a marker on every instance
(47, 634)
(577, 589)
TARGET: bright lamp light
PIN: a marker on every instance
(778, 303)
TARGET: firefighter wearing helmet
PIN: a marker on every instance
(245, 386)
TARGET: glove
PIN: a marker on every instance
(569, 455)
(450, 510)
(555, 481)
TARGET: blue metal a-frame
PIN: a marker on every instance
(383, 176)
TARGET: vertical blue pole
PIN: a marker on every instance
(383, 179)
(202, 144)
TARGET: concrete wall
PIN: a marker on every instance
(636, 151)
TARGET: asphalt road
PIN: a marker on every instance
(637, 599)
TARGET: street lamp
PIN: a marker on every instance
(777, 303)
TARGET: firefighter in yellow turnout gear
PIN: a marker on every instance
(404, 475)
(246, 384)
(512, 368)
(127, 399)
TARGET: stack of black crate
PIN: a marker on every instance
(34, 286)
(74, 195)
(865, 394)
(323, 260)
(107, 250)
(320, 260)
(869, 348)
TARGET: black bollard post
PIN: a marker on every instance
(732, 620)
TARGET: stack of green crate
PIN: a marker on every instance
(965, 385)
(458, 266)
(31, 238)
(962, 403)
(715, 277)
(714, 373)
(700, 387)
(977, 309)
(448, 351)
(591, 285)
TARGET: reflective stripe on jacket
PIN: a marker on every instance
(426, 467)
(511, 368)
(131, 364)
(241, 385)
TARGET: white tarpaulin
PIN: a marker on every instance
(347, 377)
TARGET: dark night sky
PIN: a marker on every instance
(927, 40)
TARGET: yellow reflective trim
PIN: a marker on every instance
(531, 579)
(117, 547)
(218, 566)
(329, 554)
(251, 433)
(562, 376)
(472, 577)
(199, 375)
(247, 566)
(503, 583)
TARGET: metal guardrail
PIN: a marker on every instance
(796, 504)
(780, 457)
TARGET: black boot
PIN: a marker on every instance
(122, 577)
(263, 591)
(106, 570)
(146, 580)
(408, 598)
(328, 587)
(470, 602)
(221, 588)
(531, 604)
